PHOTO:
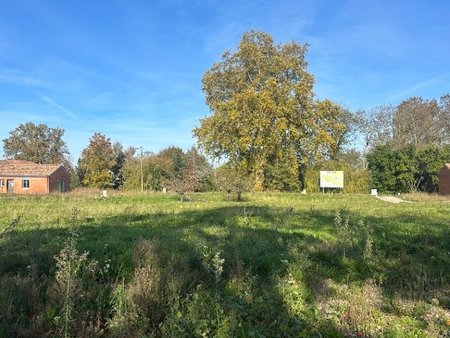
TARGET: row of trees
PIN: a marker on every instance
(171, 168)
(406, 145)
(269, 129)
(104, 164)
(266, 122)
(414, 121)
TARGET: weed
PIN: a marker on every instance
(12, 225)
(140, 305)
(68, 263)
(213, 263)
(344, 237)
(366, 240)
(245, 217)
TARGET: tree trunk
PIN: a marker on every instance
(301, 174)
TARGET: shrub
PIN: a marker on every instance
(406, 169)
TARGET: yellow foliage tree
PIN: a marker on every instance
(263, 108)
(97, 161)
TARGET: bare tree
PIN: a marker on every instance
(376, 127)
(419, 122)
(444, 118)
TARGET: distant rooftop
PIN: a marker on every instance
(26, 168)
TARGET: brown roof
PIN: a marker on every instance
(26, 168)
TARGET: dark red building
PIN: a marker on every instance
(444, 180)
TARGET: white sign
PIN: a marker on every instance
(331, 179)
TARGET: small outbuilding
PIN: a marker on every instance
(24, 177)
(444, 180)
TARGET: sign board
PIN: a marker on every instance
(331, 179)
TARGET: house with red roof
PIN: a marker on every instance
(24, 177)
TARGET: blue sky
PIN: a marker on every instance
(132, 69)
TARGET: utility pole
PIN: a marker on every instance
(142, 171)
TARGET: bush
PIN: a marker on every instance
(406, 169)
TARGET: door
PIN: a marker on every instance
(61, 186)
(10, 185)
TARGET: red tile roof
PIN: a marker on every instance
(26, 168)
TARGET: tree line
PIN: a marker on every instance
(266, 121)
(407, 145)
(106, 164)
(270, 132)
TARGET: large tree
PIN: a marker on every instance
(262, 103)
(197, 172)
(376, 126)
(120, 156)
(37, 143)
(97, 162)
(421, 123)
(177, 157)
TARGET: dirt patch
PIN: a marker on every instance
(392, 199)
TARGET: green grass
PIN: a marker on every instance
(275, 265)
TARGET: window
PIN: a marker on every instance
(25, 184)
(2, 183)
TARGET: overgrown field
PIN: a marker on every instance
(275, 265)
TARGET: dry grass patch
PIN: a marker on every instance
(424, 197)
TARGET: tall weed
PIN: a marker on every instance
(69, 263)
(140, 305)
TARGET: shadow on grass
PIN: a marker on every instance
(262, 248)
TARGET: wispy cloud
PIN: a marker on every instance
(53, 103)
(104, 99)
(415, 89)
(20, 78)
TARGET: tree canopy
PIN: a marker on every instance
(408, 168)
(263, 108)
(36, 143)
(97, 162)
(415, 121)
(421, 123)
(177, 159)
(156, 171)
(171, 168)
